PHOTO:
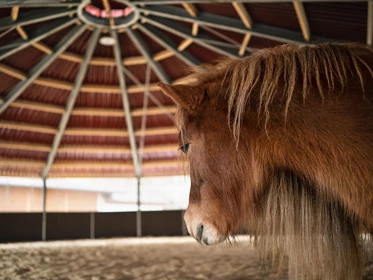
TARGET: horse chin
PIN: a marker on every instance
(211, 237)
(208, 235)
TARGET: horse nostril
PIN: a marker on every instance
(199, 232)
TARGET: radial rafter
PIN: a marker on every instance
(39, 3)
(168, 2)
(41, 66)
(126, 105)
(230, 24)
(183, 32)
(36, 36)
(35, 17)
(302, 19)
(144, 50)
(162, 39)
(71, 101)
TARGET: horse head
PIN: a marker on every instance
(219, 194)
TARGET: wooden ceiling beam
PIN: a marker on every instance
(24, 146)
(22, 32)
(100, 61)
(243, 13)
(37, 106)
(54, 83)
(67, 164)
(195, 28)
(244, 44)
(28, 127)
(94, 149)
(85, 111)
(14, 13)
(108, 11)
(86, 131)
(302, 19)
(191, 9)
(42, 47)
(184, 44)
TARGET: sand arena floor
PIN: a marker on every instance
(132, 258)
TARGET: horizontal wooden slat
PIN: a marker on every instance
(96, 132)
(24, 146)
(98, 112)
(86, 164)
(103, 61)
(28, 127)
(54, 83)
(85, 148)
(104, 112)
(21, 162)
(93, 149)
(154, 111)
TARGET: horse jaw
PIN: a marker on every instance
(201, 231)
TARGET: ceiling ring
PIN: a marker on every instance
(121, 22)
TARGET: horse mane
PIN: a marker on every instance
(324, 67)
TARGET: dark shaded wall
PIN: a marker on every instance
(15, 227)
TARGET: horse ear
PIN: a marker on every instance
(183, 95)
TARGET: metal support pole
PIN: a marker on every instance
(92, 225)
(44, 215)
(138, 214)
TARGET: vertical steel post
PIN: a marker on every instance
(44, 214)
(138, 214)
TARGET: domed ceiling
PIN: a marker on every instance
(78, 79)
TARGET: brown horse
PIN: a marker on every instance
(280, 143)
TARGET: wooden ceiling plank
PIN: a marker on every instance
(42, 47)
(93, 149)
(163, 55)
(21, 162)
(12, 72)
(191, 9)
(195, 28)
(86, 131)
(22, 32)
(154, 111)
(108, 11)
(184, 44)
(96, 132)
(47, 82)
(24, 146)
(28, 127)
(38, 106)
(14, 13)
(87, 164)
(103, 112)
(244, 44)
(243, 13)
(302, 19)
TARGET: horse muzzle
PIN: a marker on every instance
(204, 233)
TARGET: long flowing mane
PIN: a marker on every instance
(325, 67)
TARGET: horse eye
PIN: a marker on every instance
(184, 148)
